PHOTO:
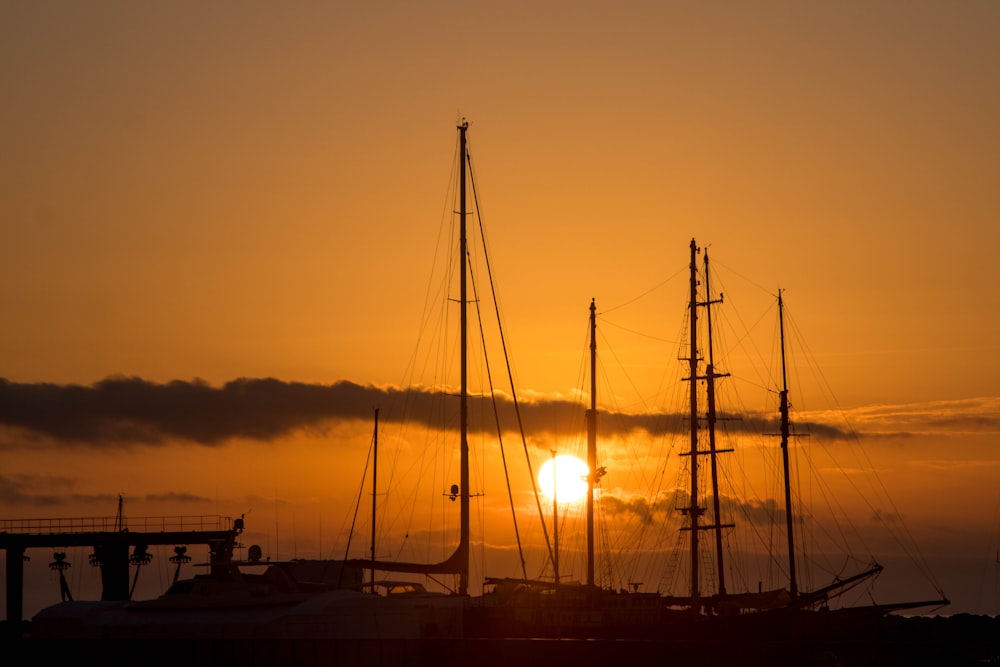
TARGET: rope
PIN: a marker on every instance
(496, 416)
(510, 376)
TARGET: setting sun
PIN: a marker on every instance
(568, 482)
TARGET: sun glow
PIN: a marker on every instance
(564, 479)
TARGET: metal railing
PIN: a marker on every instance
(110, 524)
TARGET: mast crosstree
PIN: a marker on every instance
(694, 511)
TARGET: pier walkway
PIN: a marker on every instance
(111, 539)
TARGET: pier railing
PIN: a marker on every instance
(111, 524)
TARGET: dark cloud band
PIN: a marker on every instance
(133, 411)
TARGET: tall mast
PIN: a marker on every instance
(693, 511)
(783, 408)
(592, 443)
(710, 376)
(463, 547)
(374, 491)
(458, 561)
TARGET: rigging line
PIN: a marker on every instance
(621, 367)
(751, 525)
(607, 566)
(638, 333)
(745, 509)
(510, 376)
(992, 543)
(426, 313)
(496, 415)
(832, 502)
(837, 510)
(740, 275)
(743, 333)
(612, 556)
(421, 464)
(618, 556)
(446, 214)
(361, 489)
(637, 544)
(912, 548)
(440, 370)
(647, 292)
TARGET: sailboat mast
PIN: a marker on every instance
(783, 408)
(710, 376)
(693, 511)
(463, 577)
(458, 561)
(592, 443)
(374, 492)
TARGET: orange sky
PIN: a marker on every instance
(246, 190)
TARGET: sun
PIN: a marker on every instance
(569, 483)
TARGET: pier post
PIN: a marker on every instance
(15, 584)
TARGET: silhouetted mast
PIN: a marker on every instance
(374, 491)
(783, 408)
(463, 547)
(458, 561)
(710, 376)
(693, 511)
(592, 443)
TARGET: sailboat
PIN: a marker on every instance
(758, 609)
(533, 608)
(724, 602)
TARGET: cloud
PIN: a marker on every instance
(984, 466)
(760, 512)
(44, 491)
(643, 508)
(176, 497)
(972, 416)
(21, 489)
(128, 411)
(755, 510)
